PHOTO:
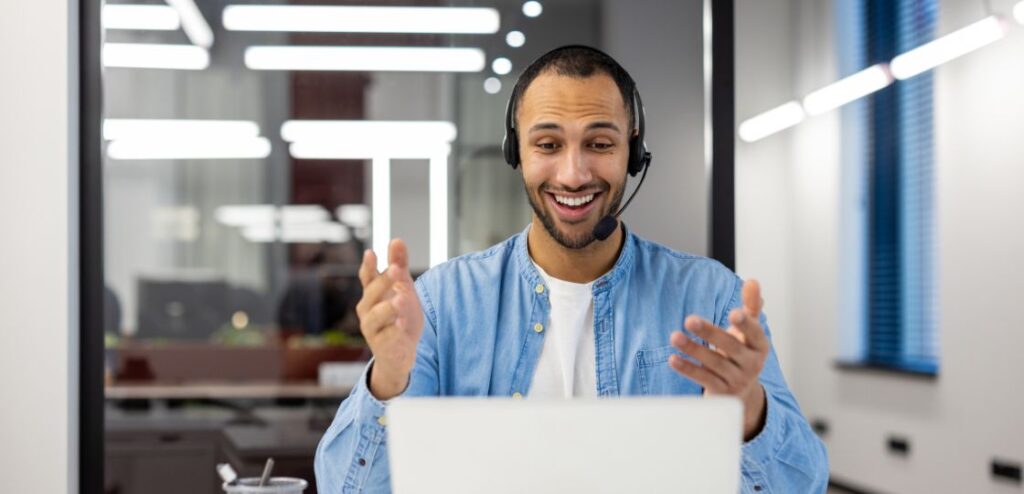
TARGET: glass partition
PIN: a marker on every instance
(252, 151)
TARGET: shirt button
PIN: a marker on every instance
(539, 288)
(517, 395)
(538, 327)
(382, 420)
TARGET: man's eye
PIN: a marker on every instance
(547, 146)
(602, 146)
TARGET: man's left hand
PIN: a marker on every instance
(732, 364)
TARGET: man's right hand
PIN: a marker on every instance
(390, 319)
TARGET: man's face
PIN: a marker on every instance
(573, 143)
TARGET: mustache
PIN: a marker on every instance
(594, 186)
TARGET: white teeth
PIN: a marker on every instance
(574, 201)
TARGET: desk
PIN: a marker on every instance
(226, 391)
(174, 450)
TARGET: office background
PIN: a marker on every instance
(789, 219)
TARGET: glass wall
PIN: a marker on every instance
(252, 151)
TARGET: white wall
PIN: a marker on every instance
(972, 413)
(763, 182)
(38, 261)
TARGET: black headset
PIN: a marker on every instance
(639, 156)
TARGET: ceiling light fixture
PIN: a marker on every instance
(367, 59)
(847, 89)
(948, 47)
(155, 56)
(361, 19)
(140, 17)
(193, 23)
(532, 8)
(771, 121)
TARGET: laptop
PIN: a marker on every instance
(474, 445)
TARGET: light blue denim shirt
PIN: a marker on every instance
(479, 340)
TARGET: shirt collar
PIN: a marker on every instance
(622, 265)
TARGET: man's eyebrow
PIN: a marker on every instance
(545, 126)
(603, 124)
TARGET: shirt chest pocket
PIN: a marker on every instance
(658, 378)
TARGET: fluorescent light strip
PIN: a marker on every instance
(368, 59)
(381, 204)
(354, 215)
(352, 19)
(298, 214)
(367, 130)
(245, 215)
(158, 129)
(771, 121)
(191, 149)
(383, 141)
(847, 89)
(948, 47)
(193, 23)
(1018, 12)
(439, 208)
(153, 56)
(140, 17)
(307, 233)
(269, 214)
(356, 150)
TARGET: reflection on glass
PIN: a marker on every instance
(252, 153)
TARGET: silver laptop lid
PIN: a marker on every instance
(475, 445)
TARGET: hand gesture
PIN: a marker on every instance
(390, 319)
(734, 363)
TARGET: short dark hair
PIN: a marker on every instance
(577, 61)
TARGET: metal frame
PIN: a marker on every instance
(722, 179)
(91, 286)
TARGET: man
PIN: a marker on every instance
(555, 312)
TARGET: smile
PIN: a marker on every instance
(573, 208)
(573, 201)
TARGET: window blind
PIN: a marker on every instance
(901, 330)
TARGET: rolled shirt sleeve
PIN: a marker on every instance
(786, 455)
(352, 455)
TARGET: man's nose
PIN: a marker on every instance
(573, 169)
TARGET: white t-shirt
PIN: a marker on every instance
(567, 365)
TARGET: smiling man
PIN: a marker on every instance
(575, 305)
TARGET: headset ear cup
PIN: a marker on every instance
(510, 148)
(636, 154)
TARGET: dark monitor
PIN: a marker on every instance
(181, 309)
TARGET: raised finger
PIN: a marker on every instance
(750, 328)
(368, 269)
(377, 318)
(714, 335)
(398, 253)
(720, 364)
(752, 301)
(707, 379)
(373, 293)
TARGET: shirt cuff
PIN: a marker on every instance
(369, 425)
(760, 451)
(371, 411)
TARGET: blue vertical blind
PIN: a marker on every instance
(900, 303)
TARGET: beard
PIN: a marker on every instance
(565, 239)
